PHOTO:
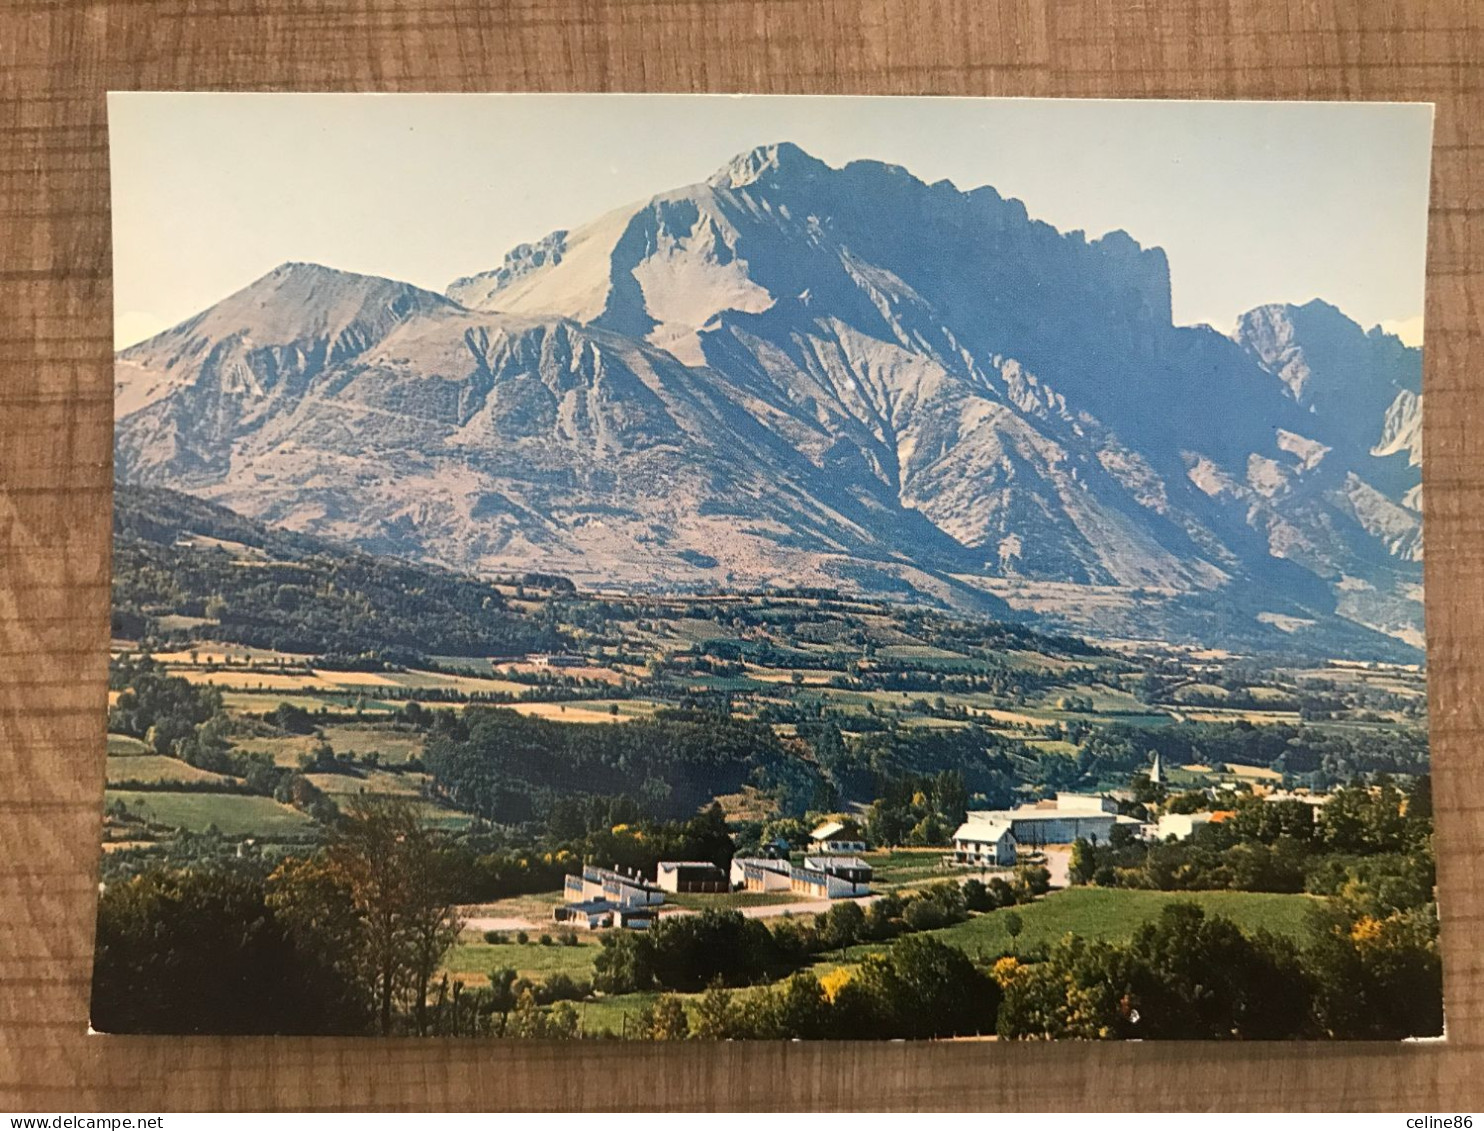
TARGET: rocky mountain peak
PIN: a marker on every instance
(776, 162)
(296, 302)
(1328, 364)
(521, 260)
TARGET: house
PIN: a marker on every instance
(835, 837)
(760, 873)
(1058, 820)
(1179, 825)
(984, 843)
(595, 913)
(623, 889)
(831, 877)
(691, 875)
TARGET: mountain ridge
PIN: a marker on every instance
(819, 375)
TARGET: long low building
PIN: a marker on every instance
(623, 889)
(760, 873)
(595, 913)
(691, 876)
(831, 877)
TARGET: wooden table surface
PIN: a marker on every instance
(58, 57)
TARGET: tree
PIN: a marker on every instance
(918, 988)
(716, 1014)
(390, 863)
(1377, 978)
(203, 952)
(842, 925)
(688, 951)
(1084, 862)
(803, 1013)
(664, 1020)
(977, 897)
(1194, 976)
(625, 964)
(502, 994)
(314, 903)
(562, 1022)
(1014, 925)
(527, 1019)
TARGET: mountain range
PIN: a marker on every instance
(798, 374)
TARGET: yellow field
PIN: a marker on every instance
(156, 768)
(257, 702)
(813, 677)
(583, 712)
(1000, 716)
(209, 667)
(1259, 773)
(1219, 715)
(285, 750)
(393, 745)
(371, 782)
(242, 679)
(212, 653)
(468, 684)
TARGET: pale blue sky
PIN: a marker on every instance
(1254, 202)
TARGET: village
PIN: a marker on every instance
(831, 866)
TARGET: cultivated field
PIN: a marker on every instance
(231, 814)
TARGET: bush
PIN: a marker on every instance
(1031, 880)
(691, 950)
(1003, 893)
(546, 940)
(977, 897)
(494, 938)
(625, 964)
(562, 987)
(204, 952)
(522, 937)
(923, 914)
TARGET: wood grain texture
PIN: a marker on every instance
(57, 58)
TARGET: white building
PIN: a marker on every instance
(596, 913)
(833, 837)
(985, 843)
(760, 873)
(691, 875)
(618, 888)
(831, 877)
(1058, 821)
(1179, 825)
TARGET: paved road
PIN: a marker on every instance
(1058, 860)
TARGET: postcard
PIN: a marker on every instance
(716, 567)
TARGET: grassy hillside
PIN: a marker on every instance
(1114, 914)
